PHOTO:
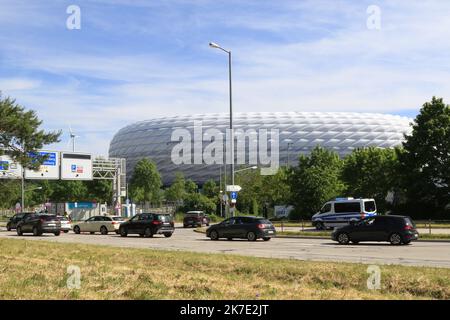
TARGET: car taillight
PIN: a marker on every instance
(408, 227)
(261, 226)
(156, 222)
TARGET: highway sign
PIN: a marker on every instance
(49, 169)
(76, 166)
(9, 169)
(233, 188)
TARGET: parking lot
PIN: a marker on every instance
(434, 254)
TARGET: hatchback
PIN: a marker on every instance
(250, 228)
(394, 229)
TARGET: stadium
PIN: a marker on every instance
(298, 133)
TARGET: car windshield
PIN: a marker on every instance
(63, 219)
(369, 206)
(410, 222)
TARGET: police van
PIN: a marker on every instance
(341, 211)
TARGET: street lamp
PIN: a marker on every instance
(216, 46)
(249, 168)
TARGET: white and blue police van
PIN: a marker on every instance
(341, 211)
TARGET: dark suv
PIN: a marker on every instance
(394, 229)
(195, 219)
(148, 224)
(39, 224)
(14, 220)
(250, 228)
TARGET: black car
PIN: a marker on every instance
(394, 229)
(148, 224)
(39, 224)
(14, 220)
(250, 228)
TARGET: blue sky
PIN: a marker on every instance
(134, 60)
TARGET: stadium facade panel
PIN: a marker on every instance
(298, 133)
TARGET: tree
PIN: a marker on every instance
(425, 162)
(177, 190)
(67, 190)
(20, 134)
(211, 189)
(145, 182)
(371, 173)
(191, 186)
(315, 181)
(100, 190)
(197, 201)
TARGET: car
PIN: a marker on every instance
(66, 225)
(250, 228)
(195, 219)
(38, 224)
(102, 224)
(341, 211)
(14, 220)
(394, 229)
(148, 224)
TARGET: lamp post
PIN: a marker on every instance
(216, 46)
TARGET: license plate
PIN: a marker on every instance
(51, 224)
(269, 231)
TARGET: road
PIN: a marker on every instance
(421, 230)
(434, 254)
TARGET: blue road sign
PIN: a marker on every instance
(4, 165)
(234, 195)
(49, 161)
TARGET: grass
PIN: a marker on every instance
(37, 270)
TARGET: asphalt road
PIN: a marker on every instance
(434, 254)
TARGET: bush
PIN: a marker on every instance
(197, 201)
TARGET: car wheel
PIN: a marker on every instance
(8, 227)
(66, 231)
(395, 239)
(320, 226)
(343, 238)
(103, 230)
(92, 232)
(266, 238)
(168, 234)
(57, 233)
(251, 236)
(185, 225)
(148, 233)
(35, 231)
(19, 231)
(214, 235)
(76, 229)
(123, 232)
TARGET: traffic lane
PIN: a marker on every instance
(420, 230)
(419, 253)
